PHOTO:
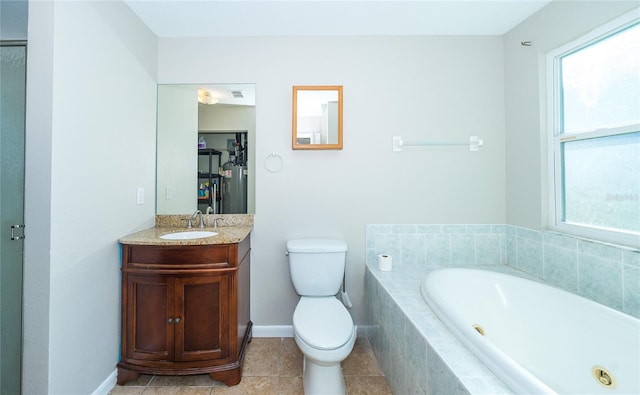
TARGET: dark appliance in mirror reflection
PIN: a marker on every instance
(209, 180)
(234, 177)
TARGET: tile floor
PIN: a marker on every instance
(271, 366)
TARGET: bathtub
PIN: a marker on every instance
(537, 339)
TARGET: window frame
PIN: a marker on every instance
(557, 136)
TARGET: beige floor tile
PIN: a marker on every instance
(291, 386)
(289, 346)
(361, 364)
(122, 390)
(264, 343)
(198, 380)
(177, 390)
(367, 385)
(271, 366)
(262, 357)
(142, 380)
(291, 366)
(362, 346)
(291, 359)
(250, 386)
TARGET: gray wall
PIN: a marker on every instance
(422, 88)
(90, 144)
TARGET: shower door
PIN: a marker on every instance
(12, 133)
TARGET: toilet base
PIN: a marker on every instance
(322, 379)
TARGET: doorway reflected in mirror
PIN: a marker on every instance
(317, 117)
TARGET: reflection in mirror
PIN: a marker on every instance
(317, 117)
(204, 158)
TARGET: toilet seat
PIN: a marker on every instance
(323, 323)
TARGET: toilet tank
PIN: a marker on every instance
(317, 265)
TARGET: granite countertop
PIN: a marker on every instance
(233, 228)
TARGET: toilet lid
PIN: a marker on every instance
(323, 323)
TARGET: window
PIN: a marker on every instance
(595, 144)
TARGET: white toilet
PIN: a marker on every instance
(323, 328)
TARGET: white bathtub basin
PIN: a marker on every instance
(537, 339)
(188, 235)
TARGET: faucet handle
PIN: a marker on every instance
(189, 225)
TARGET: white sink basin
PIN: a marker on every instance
(187, 235)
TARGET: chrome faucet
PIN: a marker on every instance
(209, 210)
(215, 221)
(201, 224)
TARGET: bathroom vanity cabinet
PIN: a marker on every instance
(185, 310)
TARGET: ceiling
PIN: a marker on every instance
(237, 18)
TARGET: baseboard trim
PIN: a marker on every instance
(272, 331)
(107, 385)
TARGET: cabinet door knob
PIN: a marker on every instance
(170, 321)
(177, 320)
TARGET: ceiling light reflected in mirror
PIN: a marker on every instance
(204, 97)
(227, 94)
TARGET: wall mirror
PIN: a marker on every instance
(317, 117)
(205, 155)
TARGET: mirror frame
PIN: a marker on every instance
(294, 133)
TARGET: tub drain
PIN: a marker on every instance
(603, 377)
(479, 329)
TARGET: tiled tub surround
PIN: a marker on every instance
(605, 273)
(416, 352)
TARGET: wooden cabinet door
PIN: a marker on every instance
(148, 334)
(202, 310)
